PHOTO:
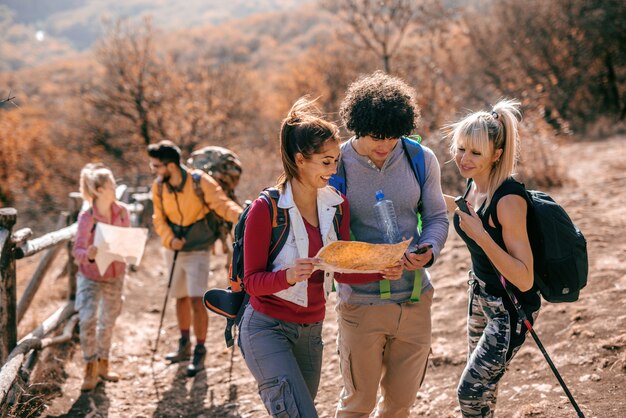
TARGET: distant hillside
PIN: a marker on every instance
(35, 31)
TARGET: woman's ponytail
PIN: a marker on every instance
(506, 115)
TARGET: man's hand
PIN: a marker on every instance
(394, 272)
(177, 244)
(413, 261)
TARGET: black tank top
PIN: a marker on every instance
(480, 262)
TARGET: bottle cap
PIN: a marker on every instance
(380, 195)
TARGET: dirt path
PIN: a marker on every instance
(586, 340)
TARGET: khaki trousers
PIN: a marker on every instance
(387, 344)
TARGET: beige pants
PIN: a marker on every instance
(389, 344)
(191, 273)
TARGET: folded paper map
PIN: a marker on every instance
(360, 257)
(118, 244)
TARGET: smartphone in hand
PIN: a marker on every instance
(422, 250)
(462, 204)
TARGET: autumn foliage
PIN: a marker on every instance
(230, 85)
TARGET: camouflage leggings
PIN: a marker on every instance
(495, 334)
(98, 304)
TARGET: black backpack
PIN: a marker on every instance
(560, 259)
(231, 303)
(559, 249)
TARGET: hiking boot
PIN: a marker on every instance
(91, 376)
(197, 364)
(103, 371)
(182, 354)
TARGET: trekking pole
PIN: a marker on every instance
(156, 343)
(524, 318)
(232, 388)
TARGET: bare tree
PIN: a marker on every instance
(136, 82)
(217, 103)
(563, 56)
(381, 26)
(147, 95)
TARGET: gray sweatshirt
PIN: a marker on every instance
(397, 180)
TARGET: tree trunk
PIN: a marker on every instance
(387, 64)
(612, 91)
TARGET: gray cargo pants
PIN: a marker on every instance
(285, 358)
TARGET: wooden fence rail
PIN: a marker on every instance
(36, 245)
(36, 340)
(14, 247)
(40, 272)
(20, 356)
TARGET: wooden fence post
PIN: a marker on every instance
(76, 201)
(8, 298)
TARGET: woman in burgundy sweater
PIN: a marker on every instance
(281, 328)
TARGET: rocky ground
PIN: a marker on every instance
(586, 339)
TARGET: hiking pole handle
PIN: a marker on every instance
(169, 282)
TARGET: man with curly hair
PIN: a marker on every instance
(385, 328)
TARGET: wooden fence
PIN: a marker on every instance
(18, 358)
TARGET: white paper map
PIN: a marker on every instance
(117, 243)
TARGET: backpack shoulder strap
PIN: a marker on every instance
(510, 186)
(338, 215)
(415, 153)
(160, 196)
(338, 180)
(280, 222)
(93, 220)
(196, 176)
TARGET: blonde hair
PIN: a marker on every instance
(92, 176)
(487, 132)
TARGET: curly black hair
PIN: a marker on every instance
(381, 106)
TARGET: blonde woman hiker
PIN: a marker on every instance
(98, 296)
(485, 148)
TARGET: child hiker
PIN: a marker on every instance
(281, 330)
(98, 296)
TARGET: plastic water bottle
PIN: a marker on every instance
(386, 218)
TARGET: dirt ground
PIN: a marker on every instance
(586, 339)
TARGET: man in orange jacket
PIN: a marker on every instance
(182, 198)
